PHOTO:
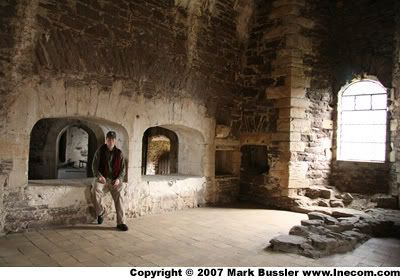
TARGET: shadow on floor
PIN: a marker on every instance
(89, 227)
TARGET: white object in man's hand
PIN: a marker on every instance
(102, 180)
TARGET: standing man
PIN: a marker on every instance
(109, 170)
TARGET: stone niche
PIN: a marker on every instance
(160, 152)
(63, 148)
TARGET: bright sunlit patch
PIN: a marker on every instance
(363, 116)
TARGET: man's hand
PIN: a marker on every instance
(116, 183)
(102, 180)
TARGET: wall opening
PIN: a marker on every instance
(74, 147)
(224, 162)
(254, 159)
(160, 152)
(253, 168)
(186, 154)
(362, 113)
(62, 149)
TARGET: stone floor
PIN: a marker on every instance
(193, 237)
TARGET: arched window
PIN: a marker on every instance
(362, 122)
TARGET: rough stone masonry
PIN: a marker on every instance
(223, 75)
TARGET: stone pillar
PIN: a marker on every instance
(290, 96)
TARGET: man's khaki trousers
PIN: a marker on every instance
(100, 189)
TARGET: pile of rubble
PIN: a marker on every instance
(337, 231)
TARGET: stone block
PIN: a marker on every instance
(347, 198)
(283, 102)
(322, 242)
(327, 124)
(298, 113)
(329, 220)
(340, 227)
(222, 131)
(281, 137)
(299, 102)
(300, 231)
(298, 85)
(297, 146)
(359, 236)
(393, 125)
(289, 192)
(298, 170)
(297, 183)
(288, 243)
(255, 138)
(323, 203)
(283, 125)
(318, 193)
(336, 203)
(277, 92)
(312, 222)
(300, 125)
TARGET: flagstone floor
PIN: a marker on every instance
(192, 237)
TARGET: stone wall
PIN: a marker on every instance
(317, 29)
(268, 72)
(137, 64)
(190, 124)
(361, 177)
(395, 110)
(301, 53)
(286, 94)
(364, 49)
(77, 146)
(164, 48)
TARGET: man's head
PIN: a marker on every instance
(111, 139)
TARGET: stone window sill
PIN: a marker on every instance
(168, 177)
(61, 182)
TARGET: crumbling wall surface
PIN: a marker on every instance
(366, 48)
(318, 69)
(137, 64)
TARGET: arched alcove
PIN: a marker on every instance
(48, 154)
(50, 136)
(185, 155)
(160, 151)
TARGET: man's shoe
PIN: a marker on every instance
(122, 227)
(100, 219)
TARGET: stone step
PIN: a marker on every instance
(318, 192)
(335, 212)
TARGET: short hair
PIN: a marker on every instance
(111, 135)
